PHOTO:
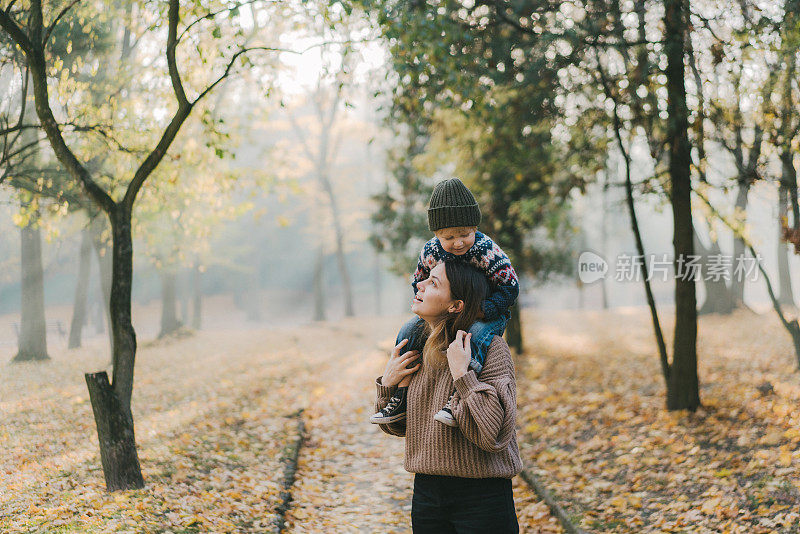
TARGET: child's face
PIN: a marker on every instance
(457, 239)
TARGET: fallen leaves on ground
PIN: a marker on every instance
(592, 410)
(214, 424)
(211, 421)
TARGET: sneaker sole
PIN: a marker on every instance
(386, 420)
(445, 419)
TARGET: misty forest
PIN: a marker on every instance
(211, 212)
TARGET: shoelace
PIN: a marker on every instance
(393, 402)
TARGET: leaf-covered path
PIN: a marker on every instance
(350, 475)
(215, 429)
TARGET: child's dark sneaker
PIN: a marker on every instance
(395, 410)
(445, 415)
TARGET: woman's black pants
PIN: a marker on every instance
(443, 504)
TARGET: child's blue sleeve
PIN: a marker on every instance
(501, 299)
(505, 284)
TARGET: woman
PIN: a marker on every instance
(463, 474)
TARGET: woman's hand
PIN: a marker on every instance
(396, 366)
(459, 353)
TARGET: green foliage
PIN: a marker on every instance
(27, 161)
(480, 95)
(400, 220)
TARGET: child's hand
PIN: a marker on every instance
(396, 366)
(459, 353)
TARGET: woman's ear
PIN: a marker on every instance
(456, 307)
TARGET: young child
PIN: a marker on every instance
(453, 217)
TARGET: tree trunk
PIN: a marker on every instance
(651, 302)
(719, 298)
(323, 162)
(514, 330)
(169, 304)
(115, 434)
(683, 384)
(346, 285)
(33, 326)
(79, 309)
(739, 250)
(788, 177)
(794, 330)
(340, 259)
(98, 312)
(251, 296)
(182, 294)
(112, 403)
(121, 288)
(103, 250)
(197, 299)
(319, 286)
(604, 231)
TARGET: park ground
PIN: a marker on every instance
(219, 413)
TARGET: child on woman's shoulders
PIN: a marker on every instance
(453, 217)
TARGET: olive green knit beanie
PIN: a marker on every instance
(452, 204)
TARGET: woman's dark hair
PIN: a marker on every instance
(468, 284)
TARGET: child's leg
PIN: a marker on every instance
(414, 332)
(395, 409)
(482, 335)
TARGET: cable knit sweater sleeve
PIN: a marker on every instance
(486, 407)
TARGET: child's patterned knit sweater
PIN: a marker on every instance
(486, 256)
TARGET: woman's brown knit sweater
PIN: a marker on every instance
(484, 444)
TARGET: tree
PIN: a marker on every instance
(783, 134)
(400, 221)
(111, 401)
(634, 92)
(683, 386)
(30, 166)
(327, 100)
(502, 77)
(80, 307)
(177, 238)
(33, 328)
(767, 46)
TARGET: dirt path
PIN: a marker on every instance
(350, 476)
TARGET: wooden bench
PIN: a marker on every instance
(51, 326)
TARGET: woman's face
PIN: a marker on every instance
(433, 296)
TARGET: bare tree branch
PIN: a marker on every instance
(172, 44)
(245, 50)
(17, 127)
(8, 156)
(55, 21)
(184, 109)
(14, 31)
(215, 13)
(36, 63)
